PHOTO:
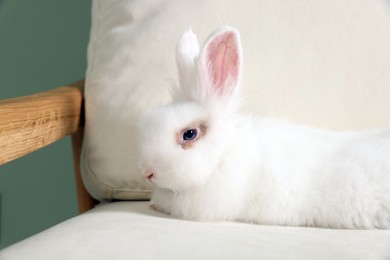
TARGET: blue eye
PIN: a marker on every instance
(190, 134)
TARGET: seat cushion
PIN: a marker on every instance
(131, 230)
(321, 63)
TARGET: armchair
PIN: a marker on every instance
(309, 57)
(32, 122)
(130, 229)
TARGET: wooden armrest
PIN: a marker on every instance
(32, 122)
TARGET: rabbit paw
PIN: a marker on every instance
(156, 208)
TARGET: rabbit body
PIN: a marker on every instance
(278, 173)
(257, 170)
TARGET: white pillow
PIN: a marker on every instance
(322, 63)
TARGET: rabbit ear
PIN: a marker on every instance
(221, 60)
(187, 51)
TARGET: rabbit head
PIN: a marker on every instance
(183, 143)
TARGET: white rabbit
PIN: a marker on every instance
(208, 162)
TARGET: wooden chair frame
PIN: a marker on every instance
(31, 122)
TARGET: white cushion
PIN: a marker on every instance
(322, 63)
(131, 230)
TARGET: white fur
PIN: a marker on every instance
(260, 170)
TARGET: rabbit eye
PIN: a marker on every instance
(187, 137)
(190, 134)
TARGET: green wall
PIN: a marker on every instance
(42, 45)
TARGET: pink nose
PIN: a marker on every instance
(149, 174)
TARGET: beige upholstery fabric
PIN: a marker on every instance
(131, 230)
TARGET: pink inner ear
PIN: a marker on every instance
(223, 59)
